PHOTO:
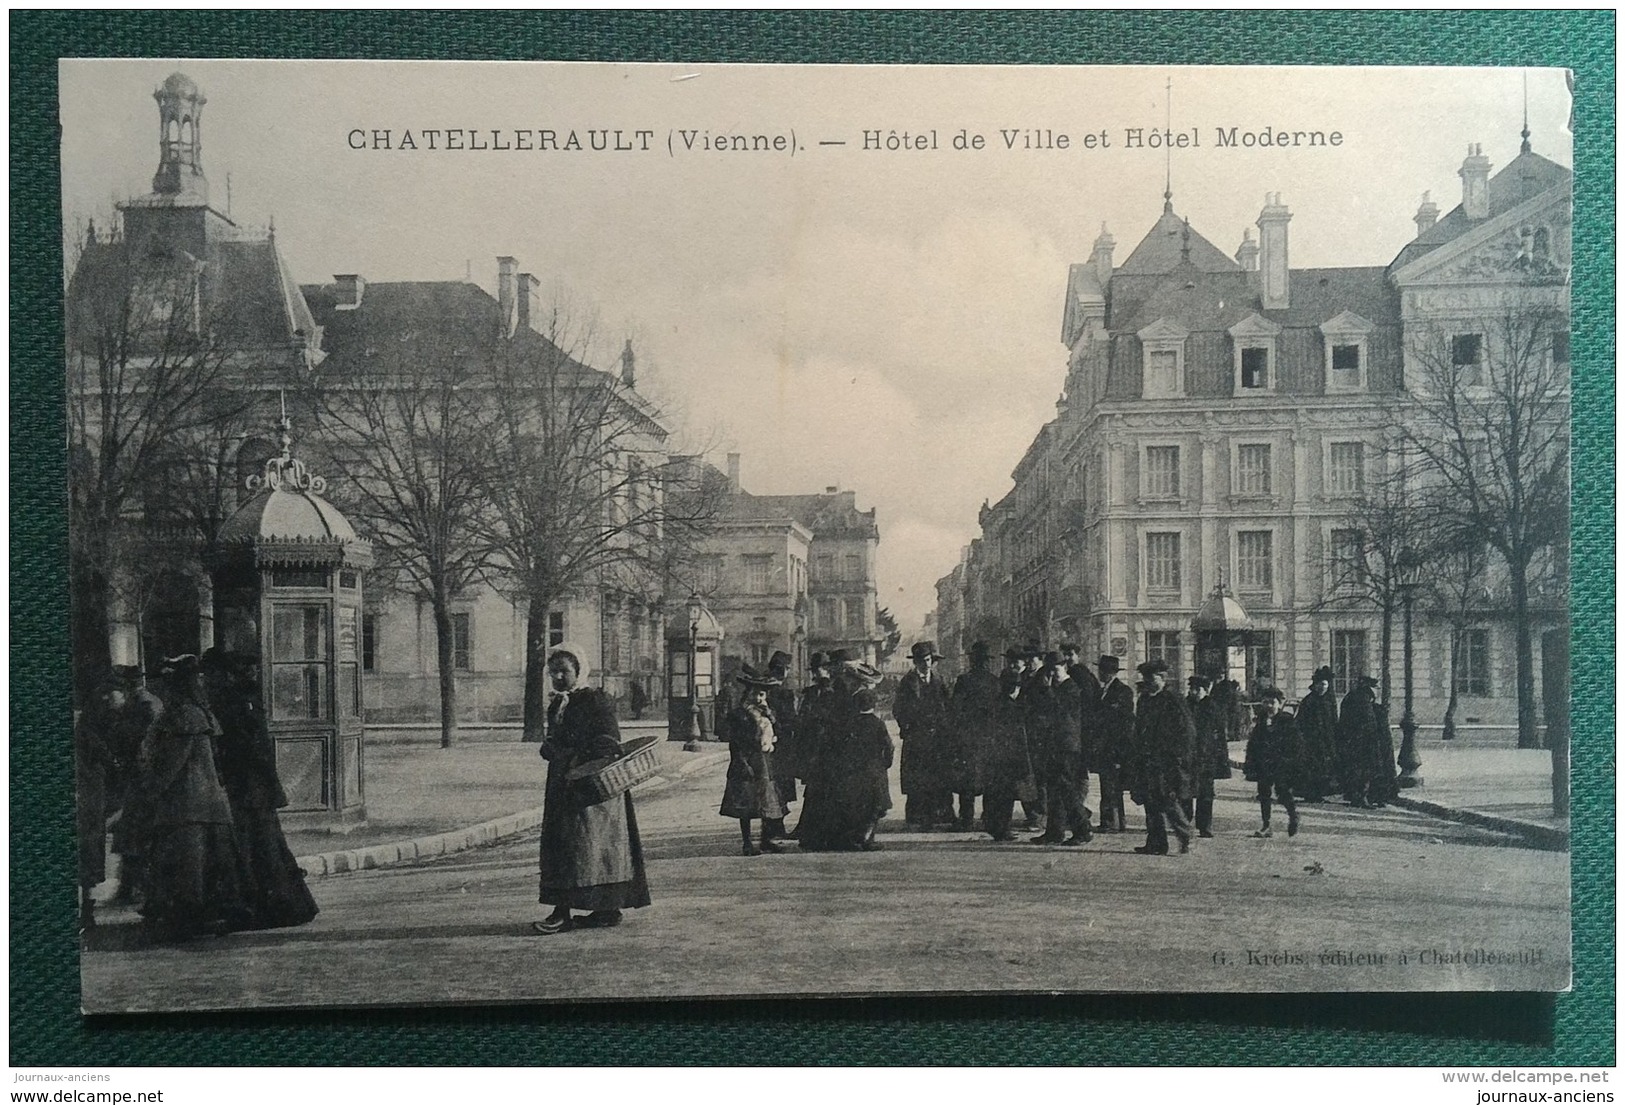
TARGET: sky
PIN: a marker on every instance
(883, 320)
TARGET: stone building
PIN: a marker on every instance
(1224, 420)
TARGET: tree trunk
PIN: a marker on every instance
(440, 600)
(1455, 674)
(536, 670)
(1387, 652)
(1528, 736)
(90, 631)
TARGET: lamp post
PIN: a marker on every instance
(695, 608)
(1409, 581)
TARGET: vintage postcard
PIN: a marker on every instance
(558, 532)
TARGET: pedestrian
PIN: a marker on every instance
(1066, 787)
(1365, 746)
(1008, 771)
(1032, 699)
(816, 730)
(190, 883)
(1317, 731)
(93, 768)
(869, 754)
(1165, 758)
(972, 702)
(128, 802)
(1274, 758)
(786, 748)
(921, 710)
(752, 790)
(273, 885)
(1212, 752)
(591, 853)
(639, 697)
(1112, 716)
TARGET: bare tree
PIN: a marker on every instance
(1455, 590)
(411, 439)
(583, 494)
(150, 380)
(1489, 428)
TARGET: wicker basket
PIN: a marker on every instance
(600, 780)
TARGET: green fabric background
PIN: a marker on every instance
(46, 1029)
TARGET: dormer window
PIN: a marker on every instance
(1348, 351)
(1254, 339)
(1163, 343)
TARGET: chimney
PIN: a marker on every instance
(525, 300)
(629, 377)
(1277, 294)
(351, 286)
(1247, 252)
(831, 489)
(1475, 183)
(507, 267)
(1426, 215)
(1101, 258)
(733, 471)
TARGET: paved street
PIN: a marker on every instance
(1337, 906)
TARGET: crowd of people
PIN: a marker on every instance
(1032, 735)
(181, 785)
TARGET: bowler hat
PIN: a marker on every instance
(817, 660)
(1199, 681)
(1109, 663)
(1152, 667)
(1053, 660)
(1324, 672)
(924, 650)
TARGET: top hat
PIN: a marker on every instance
(1324, 672)
(1152, 667)
(1109, 663)
(758, 680)
(924, 650)
(779, 659)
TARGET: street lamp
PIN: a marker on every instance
(695, 608)
(1409, 581)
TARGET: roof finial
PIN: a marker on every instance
(1525, 147)
(284, 471)
(1168, 153)
(1185, 242)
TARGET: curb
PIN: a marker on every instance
(375, 856)
(1547, 838)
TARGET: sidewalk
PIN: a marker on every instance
(423, 800)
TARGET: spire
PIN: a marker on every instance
(1525, 147)
(1168, 154)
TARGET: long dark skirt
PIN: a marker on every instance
(191, 879)
(591, 857)
(273, 885)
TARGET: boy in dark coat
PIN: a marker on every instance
(1274, 753)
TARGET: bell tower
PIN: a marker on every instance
(180, 142)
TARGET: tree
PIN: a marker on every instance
(1455, 589)
(891, 635)
(411, 438)
(583, 495)
(151, 383)
(1488, 430)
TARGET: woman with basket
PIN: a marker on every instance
(591, 857)
(751, 791)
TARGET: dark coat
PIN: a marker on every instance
(921, 710)
(1317, 730)
(93, 765)
(976, 693)
(1009, 764)
(1365, 746)
(751, 790)
(1275, 751)
(816, 726)
(787, 742)
(1113, 719)
(591, 854)
(1165, 748)
(1212, 753)
(1060, 716)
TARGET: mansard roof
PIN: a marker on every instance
(1162, 249)
(1524, 177)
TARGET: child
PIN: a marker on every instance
(751, 792)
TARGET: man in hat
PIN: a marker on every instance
(781, 699)
(1365, 747)
(1212, 751)
(1112, 715)
(1061, 740)
(921, 710)
(1317, 733)
(975, 695)
(1165, 747)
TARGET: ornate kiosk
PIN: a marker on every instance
(692, 648)
(287, 574)
(1221, 628)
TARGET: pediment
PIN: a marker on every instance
(1164, 329)
(1347, 324)
(1255, 326)
(1492, 250)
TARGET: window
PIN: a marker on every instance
(369, 642)
(461, 636)
(1162, 561)
(824, 566)
(1163, 364)
(854, 565)
(1473, 662)
(710, 574)
(298, 661)
(1162, 471)
(1253, 470)
(1164, 645)
(1560, 347)
(1467, 356)
(1162, 372)
(1255, 559)
(1260, 661)
(1348, 658)
(1255, 368)
(1346, 471)
(758, 574)
(760, 651)
(824, 613)
(1348, 565)
(1347, 337)
(555, 628)
(854, 616)
(1345, 358)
